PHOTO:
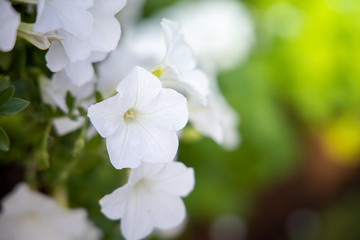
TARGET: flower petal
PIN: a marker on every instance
(174, 178)
(9, 23)
(105, 117)
(157, 145)
(75, 48)
(106, 31)
(70, 15)
(80, 72)
(169, 211)
(167, 111)
(137, 220)
(124, 147)
(114, 205)
(134, 143)
(56, 58)
(139, 84)
(65, 125)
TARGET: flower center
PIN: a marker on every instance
(158, 71)
(129, 115)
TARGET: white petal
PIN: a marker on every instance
(167, 111)
(169, 211)
(171, 30)
(60, 84)
(80, 72)
(9, 23)
(37, 216)
(119, 63)
(157, 145)
(75, 48)
(70, 15)
(137, 221)
(141, 84)
(65, 125)
(97, 56)
(109, 7)
(174, 178)
(57, 89)
(8, 228)
(107, 118)
(134, 143)
(106, 32)
(56, 58)
(114, 205)
(206, 120)
(124, 147)
(178, 52)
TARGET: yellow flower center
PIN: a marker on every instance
(158, 71)
(129, 115)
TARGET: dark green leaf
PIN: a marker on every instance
(70, 101)
(4, 83)
(6, 94)
(4, 140)
(82, 111)
(98, 96)
(15, 105)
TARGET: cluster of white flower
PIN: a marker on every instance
(149, 98)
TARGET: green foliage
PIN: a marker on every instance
(8, 106)
(13, 106)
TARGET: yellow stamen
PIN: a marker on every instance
(158, 71)
(129, 115)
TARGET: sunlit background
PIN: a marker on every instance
(291, 70)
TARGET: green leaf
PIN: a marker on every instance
(4, 140)
(98, 96)
(15, 105)
(70, 102)
(6, 94)
(82, 112)
(4, 82)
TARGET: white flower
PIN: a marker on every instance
(140, 122)
(9, 23)
(178, 69)
(150, 199)
(54, 93)
(29, 215)
(75, 51)
(70, 15)
(220, 32)
(216, 119)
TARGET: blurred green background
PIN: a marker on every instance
(296, 174)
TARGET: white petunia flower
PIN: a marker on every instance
(178, 69)
(151, 199)
(9, 23)
(29, 215)
(217, 119)
(75, 51)
(54, 93)
(140, 122)
(220, 32)
(70, 15)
